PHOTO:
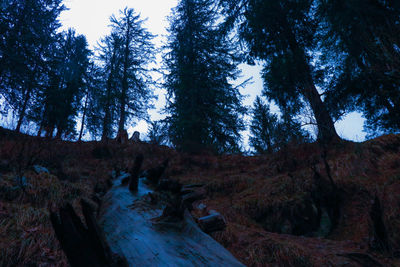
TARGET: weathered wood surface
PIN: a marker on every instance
(131, 230)
(84, 245)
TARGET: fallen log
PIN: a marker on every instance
(83, 245)
(131, 229)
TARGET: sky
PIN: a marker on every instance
(91, 18)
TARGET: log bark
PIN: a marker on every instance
(83, 245)
(134, 179)
(130, 227)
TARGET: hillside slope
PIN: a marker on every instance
(304, 206)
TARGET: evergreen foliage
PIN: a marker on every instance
(137, 52)
(205, 108)
(330, 56)
(60, 100)
(269, 133)
(281, 33)
(28, 30)
(365, 35)
(107, 102)
(158, 133)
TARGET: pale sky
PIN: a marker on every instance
(91, 18)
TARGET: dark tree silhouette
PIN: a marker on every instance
(282, 33)
(60, 101)
(205, 109)
(365, 36)
(28, 29)
(269, 133)
(137, 53)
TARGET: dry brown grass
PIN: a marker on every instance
(265, 194)
(26, 235)
(263, 198)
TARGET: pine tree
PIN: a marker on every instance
(94, 101)
(365, 35)
(137, 53)
(28, 29)
(60, 100)
(262, 128)
(282, 33)
(158, 133)
(91, 119)
(205, 109)
(111, 60)
(270, 134)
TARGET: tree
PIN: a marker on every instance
(28, 29)
(110, 57)
(158, 133)
(60, 100)
(91, 108)
(205, 108)
(365, 35)
(282, 34)
(137, 53)
(270, 134)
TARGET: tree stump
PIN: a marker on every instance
(135, 171)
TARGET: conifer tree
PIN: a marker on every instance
(59, 102)
(111, 60)
(282, 34)
(137, 53)
(270, 133)
(365, 35)
(28, 28)
(94, 101)
(205, 108)
(157, 133)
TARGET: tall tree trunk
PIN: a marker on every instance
(23, 109)
(49, 131)
(106, 120)
(40, 130)
(122, 118)
(107, 116)
(83, 117)
(59, 134)
(326, 127)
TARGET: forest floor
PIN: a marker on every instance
(303, 206)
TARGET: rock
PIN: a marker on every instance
(212, 223)
(40, 169)
(201, 206)
(188, 199)
(135, 137)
